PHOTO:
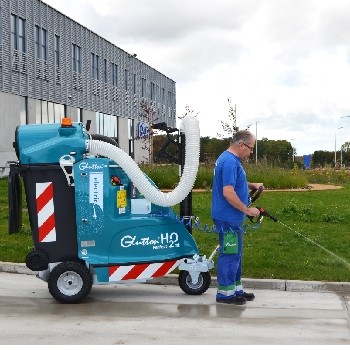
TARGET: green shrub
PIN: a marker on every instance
(275, 177)
(167, 176)
(328, 176)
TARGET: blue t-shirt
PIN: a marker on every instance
(228, 170)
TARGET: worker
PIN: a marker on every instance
(229, 210)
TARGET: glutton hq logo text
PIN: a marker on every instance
(168, 240)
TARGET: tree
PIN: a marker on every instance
(211, 148)
(346, 154)
(275, 152)
(346, 147)
(230, 127)
(322, 158)
(147, 114)
(188, 111)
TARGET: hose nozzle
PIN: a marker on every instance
(264, 212)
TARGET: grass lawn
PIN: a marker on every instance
(271, 250)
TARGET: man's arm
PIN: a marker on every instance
(231, 196)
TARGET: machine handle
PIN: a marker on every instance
(257, 195)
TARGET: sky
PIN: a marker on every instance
(284, 64)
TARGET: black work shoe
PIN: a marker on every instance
(238, 300)
(248, 296)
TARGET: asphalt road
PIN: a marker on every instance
(162, 314)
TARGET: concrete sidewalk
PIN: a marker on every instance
(153, 314)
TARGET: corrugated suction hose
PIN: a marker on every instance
(190, 126)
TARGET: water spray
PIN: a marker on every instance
(264, 212)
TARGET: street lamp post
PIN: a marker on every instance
(341, 152)
(256, 142)
(335, 147)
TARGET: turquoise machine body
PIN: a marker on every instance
(98, 216)
(117, 226)
(47, 143)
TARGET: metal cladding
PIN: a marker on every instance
(116, 86)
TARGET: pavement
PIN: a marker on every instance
(284, 312)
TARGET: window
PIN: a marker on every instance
(59, 112)
(153, 88)
(18, 31)
(57, 50)
(48, 112)
(105, 72)
(134, 85)
(23, 110)
(14, 32)
(131, 137)
(143, 87)
(126, 79)
(169, 99)
(163, 96)
(80, 115)
(94, 66)
(107, 125)
(21, 35)
(51, 113)
(78, 48)
(44, 44)
(114, 75)
(0, 25)
(40, 43)
(76, 58)
(37, 42)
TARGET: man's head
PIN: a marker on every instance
(242, 144)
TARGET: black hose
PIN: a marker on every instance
(107, 139)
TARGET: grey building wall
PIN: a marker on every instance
(10, 112)
(27, 76)
(123, 130)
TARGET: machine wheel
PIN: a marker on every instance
(37, 260)
(70, 282)
(185, 283)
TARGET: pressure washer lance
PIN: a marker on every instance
(264, 212)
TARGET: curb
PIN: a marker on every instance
(273, 284)
(250, 283)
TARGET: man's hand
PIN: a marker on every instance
(255, 185)
(253, 212)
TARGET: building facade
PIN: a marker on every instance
(52, 67)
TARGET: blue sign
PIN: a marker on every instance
(143, 130)
(307, 161)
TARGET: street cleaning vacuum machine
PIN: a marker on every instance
(95, 217)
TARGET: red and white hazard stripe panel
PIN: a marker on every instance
(141, 271)
(45, 211)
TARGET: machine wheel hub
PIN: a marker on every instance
(69, 283)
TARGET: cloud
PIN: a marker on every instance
(284, 63)
(171, 20)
